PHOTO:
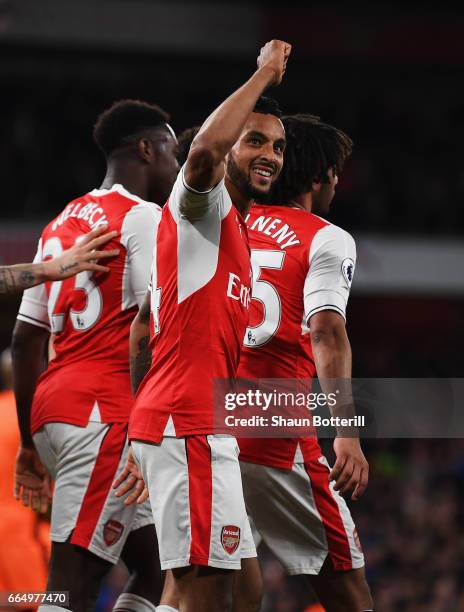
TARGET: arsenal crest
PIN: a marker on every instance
(112, 531)
(230, 538)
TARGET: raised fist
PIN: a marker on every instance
(274, 55)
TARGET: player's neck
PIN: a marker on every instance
(127, 176)
(305, 201)
(241, 202)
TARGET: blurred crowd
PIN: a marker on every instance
(412, 525)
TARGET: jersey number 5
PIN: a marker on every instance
(267, 294)
(81, 320)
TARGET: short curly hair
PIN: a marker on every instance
(126, 119)
(313, 148)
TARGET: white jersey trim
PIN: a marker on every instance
(332, 259)
(95, 416)
(198, 217)
(191, 188)
(34, 304)
(122, 191)
(189, 204)
(22, 316)
(138, 235)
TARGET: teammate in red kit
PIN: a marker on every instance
(302, 272)
(199, 304)
(75, 424)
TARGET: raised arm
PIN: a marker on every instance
(218, 134)
(82, 256)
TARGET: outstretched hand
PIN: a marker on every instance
(82, 256)
(274, 55)
(131, 479)
(32, 481)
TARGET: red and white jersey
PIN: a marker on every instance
(302, 264)
(201, 284)
(91, 314)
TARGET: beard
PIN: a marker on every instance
(242, 181)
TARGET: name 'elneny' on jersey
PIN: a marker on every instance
(276, 228)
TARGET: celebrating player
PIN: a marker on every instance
(76, 425)
(199, 304)
(302, 272)
(79, 258)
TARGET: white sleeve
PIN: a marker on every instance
(332, 260)
(138, 235)
(34, 305)
(192, 205)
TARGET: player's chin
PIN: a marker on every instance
(260, 188)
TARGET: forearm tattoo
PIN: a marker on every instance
(144, 312)
(16, 278)
(64, 269)
(140, 363)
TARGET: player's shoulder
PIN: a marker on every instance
(99, 206)
(333, 241)
(144, 210)
(118, 195)
(308, 224)
(332, 231)
(292, 215)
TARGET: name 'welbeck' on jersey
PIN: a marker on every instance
(272, 226)
(85, 212)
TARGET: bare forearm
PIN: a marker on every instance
(333, 361)
(14, 279)
(223, 127)
(28, 349)
(139, 339)
(140, 361)
(332, 356)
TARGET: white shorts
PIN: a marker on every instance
(300, 516)
(196, 496)
(84, 461)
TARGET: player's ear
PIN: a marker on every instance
(145, 149)
(316, 185)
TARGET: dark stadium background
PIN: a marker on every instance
(392, 77)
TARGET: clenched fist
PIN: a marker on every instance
(274, 55)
